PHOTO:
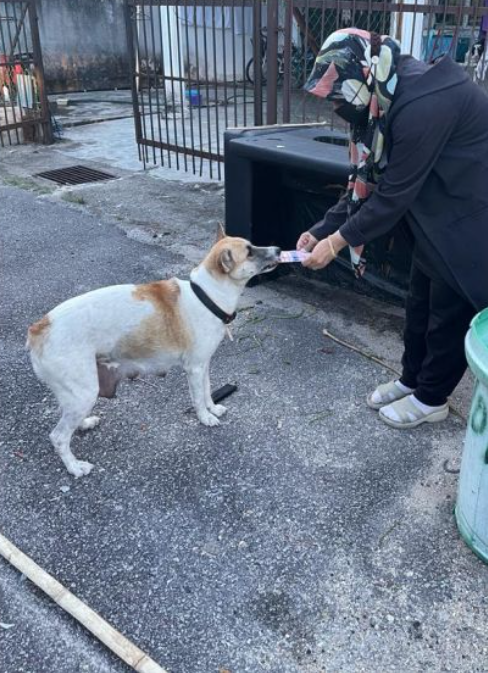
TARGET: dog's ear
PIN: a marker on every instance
(226, 261)
(220, 232)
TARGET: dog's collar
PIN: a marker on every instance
(211, 305)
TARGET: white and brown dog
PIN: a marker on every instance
(86, 345)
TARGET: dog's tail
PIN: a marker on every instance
(37, 334)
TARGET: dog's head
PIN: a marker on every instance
(239, 260)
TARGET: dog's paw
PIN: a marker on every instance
(218, 410)
(208, 419)
(79, 468)
(90, 423)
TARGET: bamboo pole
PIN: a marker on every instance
(115, 641)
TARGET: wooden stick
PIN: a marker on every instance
(87, 617)
(326, 333)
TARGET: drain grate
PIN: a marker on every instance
(75, 175)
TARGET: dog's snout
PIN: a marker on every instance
(274, 251)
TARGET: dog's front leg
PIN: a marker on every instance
(215, 409)
(197, 376)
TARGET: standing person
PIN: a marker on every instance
(419, 153)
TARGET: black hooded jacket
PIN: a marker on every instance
(436, 178)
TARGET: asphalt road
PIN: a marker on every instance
(300, 536)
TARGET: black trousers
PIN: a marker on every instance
(437, 319)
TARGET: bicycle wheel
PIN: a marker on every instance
(250, 71)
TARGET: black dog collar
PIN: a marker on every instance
(211, 305)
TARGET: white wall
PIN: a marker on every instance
(226, 45)
(408, 28)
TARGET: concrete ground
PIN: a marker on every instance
(302, 535)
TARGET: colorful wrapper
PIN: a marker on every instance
(294, 256)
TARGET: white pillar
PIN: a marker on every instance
(407, 27)
(172, 59)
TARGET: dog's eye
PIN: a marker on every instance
(249, 251)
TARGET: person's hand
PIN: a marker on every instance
(325, 252)
(306, 242)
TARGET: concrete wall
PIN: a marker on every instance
(83, 44)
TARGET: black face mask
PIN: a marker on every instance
(352, 115)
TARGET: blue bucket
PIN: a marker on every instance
(194, 97)
(472, 503)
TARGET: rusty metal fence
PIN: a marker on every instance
(427, 31)
(191, 78)
(24, 108)
(201, 66)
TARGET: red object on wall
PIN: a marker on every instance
(5, 78)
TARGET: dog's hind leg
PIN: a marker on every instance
(89, 423)
(61, 440)
(76, 402)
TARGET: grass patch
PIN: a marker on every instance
(73, 198)
(26, 183)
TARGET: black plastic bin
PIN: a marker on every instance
(280, 181)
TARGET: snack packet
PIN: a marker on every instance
(294, 255)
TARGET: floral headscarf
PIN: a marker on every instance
(345, 71)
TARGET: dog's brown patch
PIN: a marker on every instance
(164, 330)
(37, 333)
(235, 249)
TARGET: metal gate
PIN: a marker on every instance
(193, 77)
(201, 66)
(24, 108)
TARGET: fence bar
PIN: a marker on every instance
(201, 154)
(129, 13)
(20, 23)
(234, 60)
(17, 123)
(192, 129)
(155, 70)
(181, 80)
(207, 89)
(198, 86)
(256, 55)
(146, 11)
(216, 90)
(224, 67)
(287, 55)
(172, 77)
(272, 62)
(39, 74)
(5, 126)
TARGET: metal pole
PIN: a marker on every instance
(48, 138)
(272, 61)
(258, 84)
(128, 8)
(288, 62)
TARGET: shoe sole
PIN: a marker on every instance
(435, 417)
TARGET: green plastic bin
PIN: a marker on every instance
(472, 503)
